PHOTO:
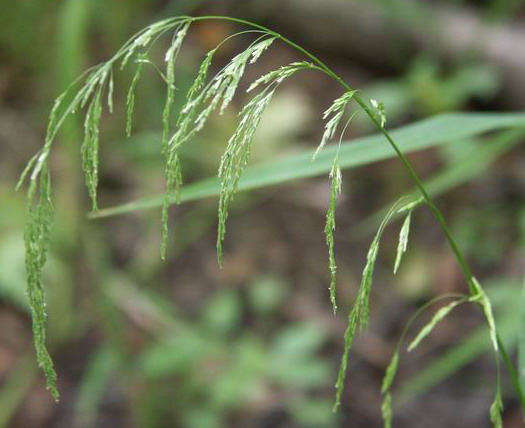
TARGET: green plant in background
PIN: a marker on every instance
(95, 89)
(219, 369)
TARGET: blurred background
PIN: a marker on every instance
(139, 342)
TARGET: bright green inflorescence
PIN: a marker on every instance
(479, 298)
(173, 167)
(333, 116)
(95, 88)
(89, 92)
(388, 380)
(335, 190)
(36, 239)
(130, 99)
(201, 102)
(89, 147)
(235, 158)
(358, 317)
(403, 241)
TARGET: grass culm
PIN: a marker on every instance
(93, 92)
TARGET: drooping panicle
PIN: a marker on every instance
(235, 158)
(201, 101)
(170, 58)
(88, 92)
(173, 167)
(335, 190)
(89, 147)
(36, 239)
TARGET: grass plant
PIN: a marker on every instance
(93, 93)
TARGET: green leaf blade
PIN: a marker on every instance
(362, 151)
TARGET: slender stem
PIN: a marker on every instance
(467, 273)
(514, 377)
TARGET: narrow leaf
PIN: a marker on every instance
(361, 151)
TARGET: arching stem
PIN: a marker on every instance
(467, 273)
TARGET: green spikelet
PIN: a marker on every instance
(200, 103)
(87, 90)
(348, 342)
(54, 119)
(36, 238)
(334, 114)
(390, 373)
(184, 131)
(282, 73)
(379, 112)
(174, 179)
(170, 58)
(335, 190)
(130, 99)
(482, 298)
(89, 147)
(28, 168)
(388, 380)
(496, 410)
(199, 81)
(111, 88)
(403, 241)
(436, 319)
(358, 317)
(173, 167)
(185, 125)
(235, 157)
